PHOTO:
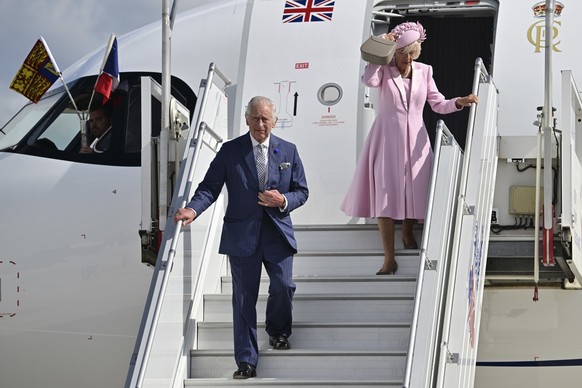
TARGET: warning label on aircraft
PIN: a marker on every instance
(329, 120)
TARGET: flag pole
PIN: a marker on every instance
(58, 70)
(82, 118)
(70, 95)
(107, 50)
(84, 142)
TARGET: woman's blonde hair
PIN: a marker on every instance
(413, 47)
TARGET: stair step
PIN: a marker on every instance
(306, 335)
(278, 382)
(382, 285)
(340, 237)
(351, 327)
(352, 238)
(363, 263)
(322, 308)
(361, 365)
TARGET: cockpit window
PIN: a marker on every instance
(63, 130)
(17, 128)
(71, 125)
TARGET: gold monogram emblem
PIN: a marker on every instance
(536, 35)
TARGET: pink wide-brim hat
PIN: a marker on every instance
(407, 33)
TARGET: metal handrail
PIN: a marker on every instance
(480, 72)
(424, 260)
(168, 263)
(160, 291)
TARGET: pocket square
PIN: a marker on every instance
(284, 166)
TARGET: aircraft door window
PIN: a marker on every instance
(133, 133)
(330, 94)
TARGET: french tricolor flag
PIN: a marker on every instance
(109, 74)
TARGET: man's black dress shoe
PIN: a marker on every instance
(279, 342)
(245, 371)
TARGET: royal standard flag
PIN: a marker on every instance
(38, 72)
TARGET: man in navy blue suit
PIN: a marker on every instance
(257, 226)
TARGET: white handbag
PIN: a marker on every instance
(378, 50)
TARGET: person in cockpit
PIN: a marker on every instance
(100, 120)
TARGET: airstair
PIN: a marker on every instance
(352, 328)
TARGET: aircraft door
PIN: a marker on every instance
(306, 57)
(155, 196)
(571, 177)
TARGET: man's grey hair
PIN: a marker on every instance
(261, 100)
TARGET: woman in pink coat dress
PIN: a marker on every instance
(393, 171)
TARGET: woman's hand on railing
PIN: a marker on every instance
(467, 100)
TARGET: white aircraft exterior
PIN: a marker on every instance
(73, 284)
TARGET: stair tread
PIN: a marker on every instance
(322, 296)
(317, 324)
(282, 382)
(316, 278)
(299, 352)
(357, 252)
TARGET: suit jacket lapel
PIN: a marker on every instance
(275, 158)
(249, 156)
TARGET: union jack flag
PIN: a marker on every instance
(298, 11)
